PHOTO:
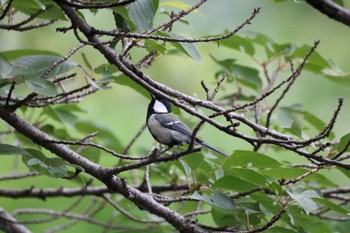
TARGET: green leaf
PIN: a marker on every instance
(331, 205)
(314, 63)
(238, 42)
(345, 171)
(305, 200)
(277, 229)
(126, 81)
(30, 7)
(40, 4)
(41, 86)
(91, 81)
(151, 45)
(253, 177)
(141, 13)
(14, 54)
(52, 167)
(290, 119)
(191, 163)
(179, 5)
(313, 120)
(247, 76)
(233, 183)
(244, 158)
(86, 61)
(284, 172)
(335, 74)
(35, 66)
(5, 67)
(217, 199)
(344, 140)
(224, 218)
(188, 49)
(122, 19)
(339, 2)
(6, 149)
(266, 202)
(247, 175)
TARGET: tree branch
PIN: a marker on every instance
(332, 10)
(9, 224)
(101, 173)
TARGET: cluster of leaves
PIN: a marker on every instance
(247, 191)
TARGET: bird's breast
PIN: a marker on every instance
(164, 135)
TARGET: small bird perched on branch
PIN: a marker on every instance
(167, 129)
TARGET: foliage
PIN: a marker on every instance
(258, 189)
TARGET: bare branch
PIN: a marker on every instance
(95, 5)
(103, 174)
(9, 224)
(332, 10)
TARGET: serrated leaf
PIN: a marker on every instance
(188, 49)
(344, 140)
(14, 54)
(268, 202)
(315, 121)
(41, 86)
(331, 205)
(179, 5)
(142, 13)
(305, 200)
(290, 119)
(238, 42)
(91, 81)
(247, 175)
(52, 167)
(125, 81)
(232, 183)
(6, 149)
(244, 158)
(151, 45)
(277, 229)
(191, 163)
(225, 218)
(284, 172)
(30, 7)
(35, 66)
(122, 19)
(217, 199)
(245, 75)
(86, 61)
(40, 4)
(5, 67)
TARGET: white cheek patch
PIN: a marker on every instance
(159, 107)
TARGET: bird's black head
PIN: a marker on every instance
(158, 105)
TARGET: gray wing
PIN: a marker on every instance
(170, 121)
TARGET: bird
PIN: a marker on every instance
(167, 129)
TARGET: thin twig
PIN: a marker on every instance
(13, 85)
(134, 139)
(6, 10)
(80, 143)
(96, 5)
(124, 212)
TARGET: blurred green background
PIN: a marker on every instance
(123, 110)
(291, 21)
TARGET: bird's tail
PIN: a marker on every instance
(202, 143)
